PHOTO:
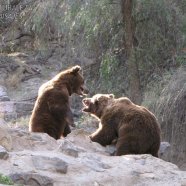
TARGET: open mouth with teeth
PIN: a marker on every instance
(82, 91)
(86, 103)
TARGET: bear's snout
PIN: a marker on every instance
(84, 90)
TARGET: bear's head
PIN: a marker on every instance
(97, 104)
(73, 80)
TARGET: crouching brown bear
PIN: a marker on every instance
(52, 113)
(135, 128)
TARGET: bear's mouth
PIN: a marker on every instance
(83, 91)
(86, 104)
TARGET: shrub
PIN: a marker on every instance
(5, 180)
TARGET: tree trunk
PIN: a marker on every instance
(129, 45)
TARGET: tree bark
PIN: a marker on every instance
(129, 45)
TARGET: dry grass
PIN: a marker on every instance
(20, 123)
(171, 112)
(14, 80)
(154, 89)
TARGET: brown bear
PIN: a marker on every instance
(52, 113)
(135, 128)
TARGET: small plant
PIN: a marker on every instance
(20, 123)
(154, 90)
(181, 58)
(5, 180)
(108, 66)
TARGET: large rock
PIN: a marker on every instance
(5, 138)
(22, 140)
(11, 110)
(164, 151)
(32, 179)
(3, 94)
(52, 164)
(8, 110)
(23, 108)
(3, 153)
(78, 137)
(69, 148)
(2, 122)
(37, 159)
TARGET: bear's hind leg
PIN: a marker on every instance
(67, 130)
(123, 149)
(154, 149)
(126, 146)
(53, 133)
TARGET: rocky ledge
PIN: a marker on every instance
(39, 160)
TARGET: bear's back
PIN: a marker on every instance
(123, 111)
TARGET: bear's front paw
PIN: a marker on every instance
(90, 137)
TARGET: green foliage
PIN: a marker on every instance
(158, 26)
(99, 28)
(5, 180)
(181, 58)
(95, 25)
(95, 29)
(154, 89)
(108, 66)
(158, 34)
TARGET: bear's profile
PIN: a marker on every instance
(135, 128)
(52, 113)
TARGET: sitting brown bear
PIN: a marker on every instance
(52, 113)
(135, 128)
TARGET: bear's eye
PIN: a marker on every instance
(96, 102)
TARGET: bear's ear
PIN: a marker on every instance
(75, 69)
(111, 95)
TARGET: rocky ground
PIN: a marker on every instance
(39, 160)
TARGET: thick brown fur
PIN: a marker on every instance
(135, 128)
(52, 113)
